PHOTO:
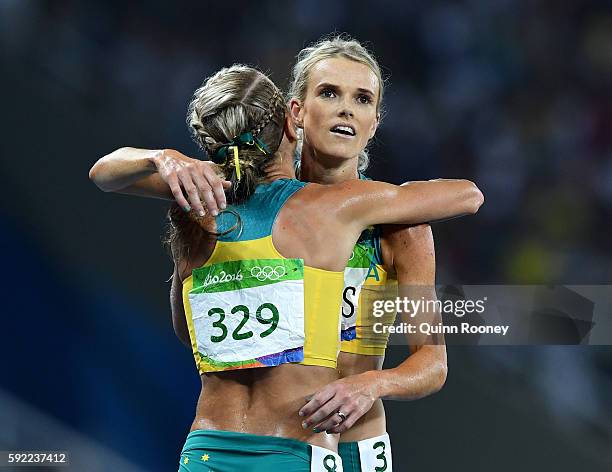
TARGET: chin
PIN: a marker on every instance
(341, 152)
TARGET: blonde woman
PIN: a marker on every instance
(259, 285)
(323, 86)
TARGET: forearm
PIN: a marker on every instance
(424, 371)
(410, 252)
(422, 374)
(122, 168)
(411, 203)
(442, 199)
(415, 378)
(163, 173)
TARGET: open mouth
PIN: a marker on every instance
(344, 130)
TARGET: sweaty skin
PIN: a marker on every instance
(408, 252)
(342, 91)
(265, 401)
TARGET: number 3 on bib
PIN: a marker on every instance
(381, 456)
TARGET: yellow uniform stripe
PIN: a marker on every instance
(322, 299)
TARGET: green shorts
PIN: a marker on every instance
(367, 455)
(227, 451)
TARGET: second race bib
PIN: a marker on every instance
(359, 269)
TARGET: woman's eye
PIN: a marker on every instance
(365, 99)
(327, 93)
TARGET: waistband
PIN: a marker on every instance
(354, 445)
(230, 440)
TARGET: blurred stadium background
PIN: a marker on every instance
(515, 95)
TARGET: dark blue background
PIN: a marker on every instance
(513, 95)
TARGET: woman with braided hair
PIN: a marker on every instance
(260, 283)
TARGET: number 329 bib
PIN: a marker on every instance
(247, 314)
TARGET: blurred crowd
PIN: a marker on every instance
(515, 95)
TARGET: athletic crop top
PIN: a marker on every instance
(248, 306)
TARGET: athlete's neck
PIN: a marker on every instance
(326, 170)
(280, 167)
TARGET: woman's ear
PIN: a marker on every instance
(289, 129)
(296, 111)
(375, 126)
(286, 148)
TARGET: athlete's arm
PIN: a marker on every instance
(411, 251)
(364, 203)
(179, 322)
(163, 173)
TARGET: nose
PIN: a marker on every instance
(346, 113)
(346, 110)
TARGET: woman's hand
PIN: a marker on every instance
(197, 178)
(351, 396)
(165, 173)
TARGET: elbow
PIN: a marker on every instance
(475, 198)
(93, 173)
(440, 376)
(97, 175)
(438, 370)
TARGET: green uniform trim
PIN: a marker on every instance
(237, 275)
(226, 450)
(349, 452)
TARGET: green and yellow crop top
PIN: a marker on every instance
(364, 278)
(248, 306)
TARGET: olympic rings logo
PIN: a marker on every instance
(268, 272)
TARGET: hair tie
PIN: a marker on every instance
(245, 139)
(236, 161)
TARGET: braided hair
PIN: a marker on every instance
(234, 101)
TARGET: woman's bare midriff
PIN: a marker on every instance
(263, 401)
(373, 423)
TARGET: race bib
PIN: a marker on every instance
(360, 268)
(375, 454)
(248, 313)
(324, 460)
